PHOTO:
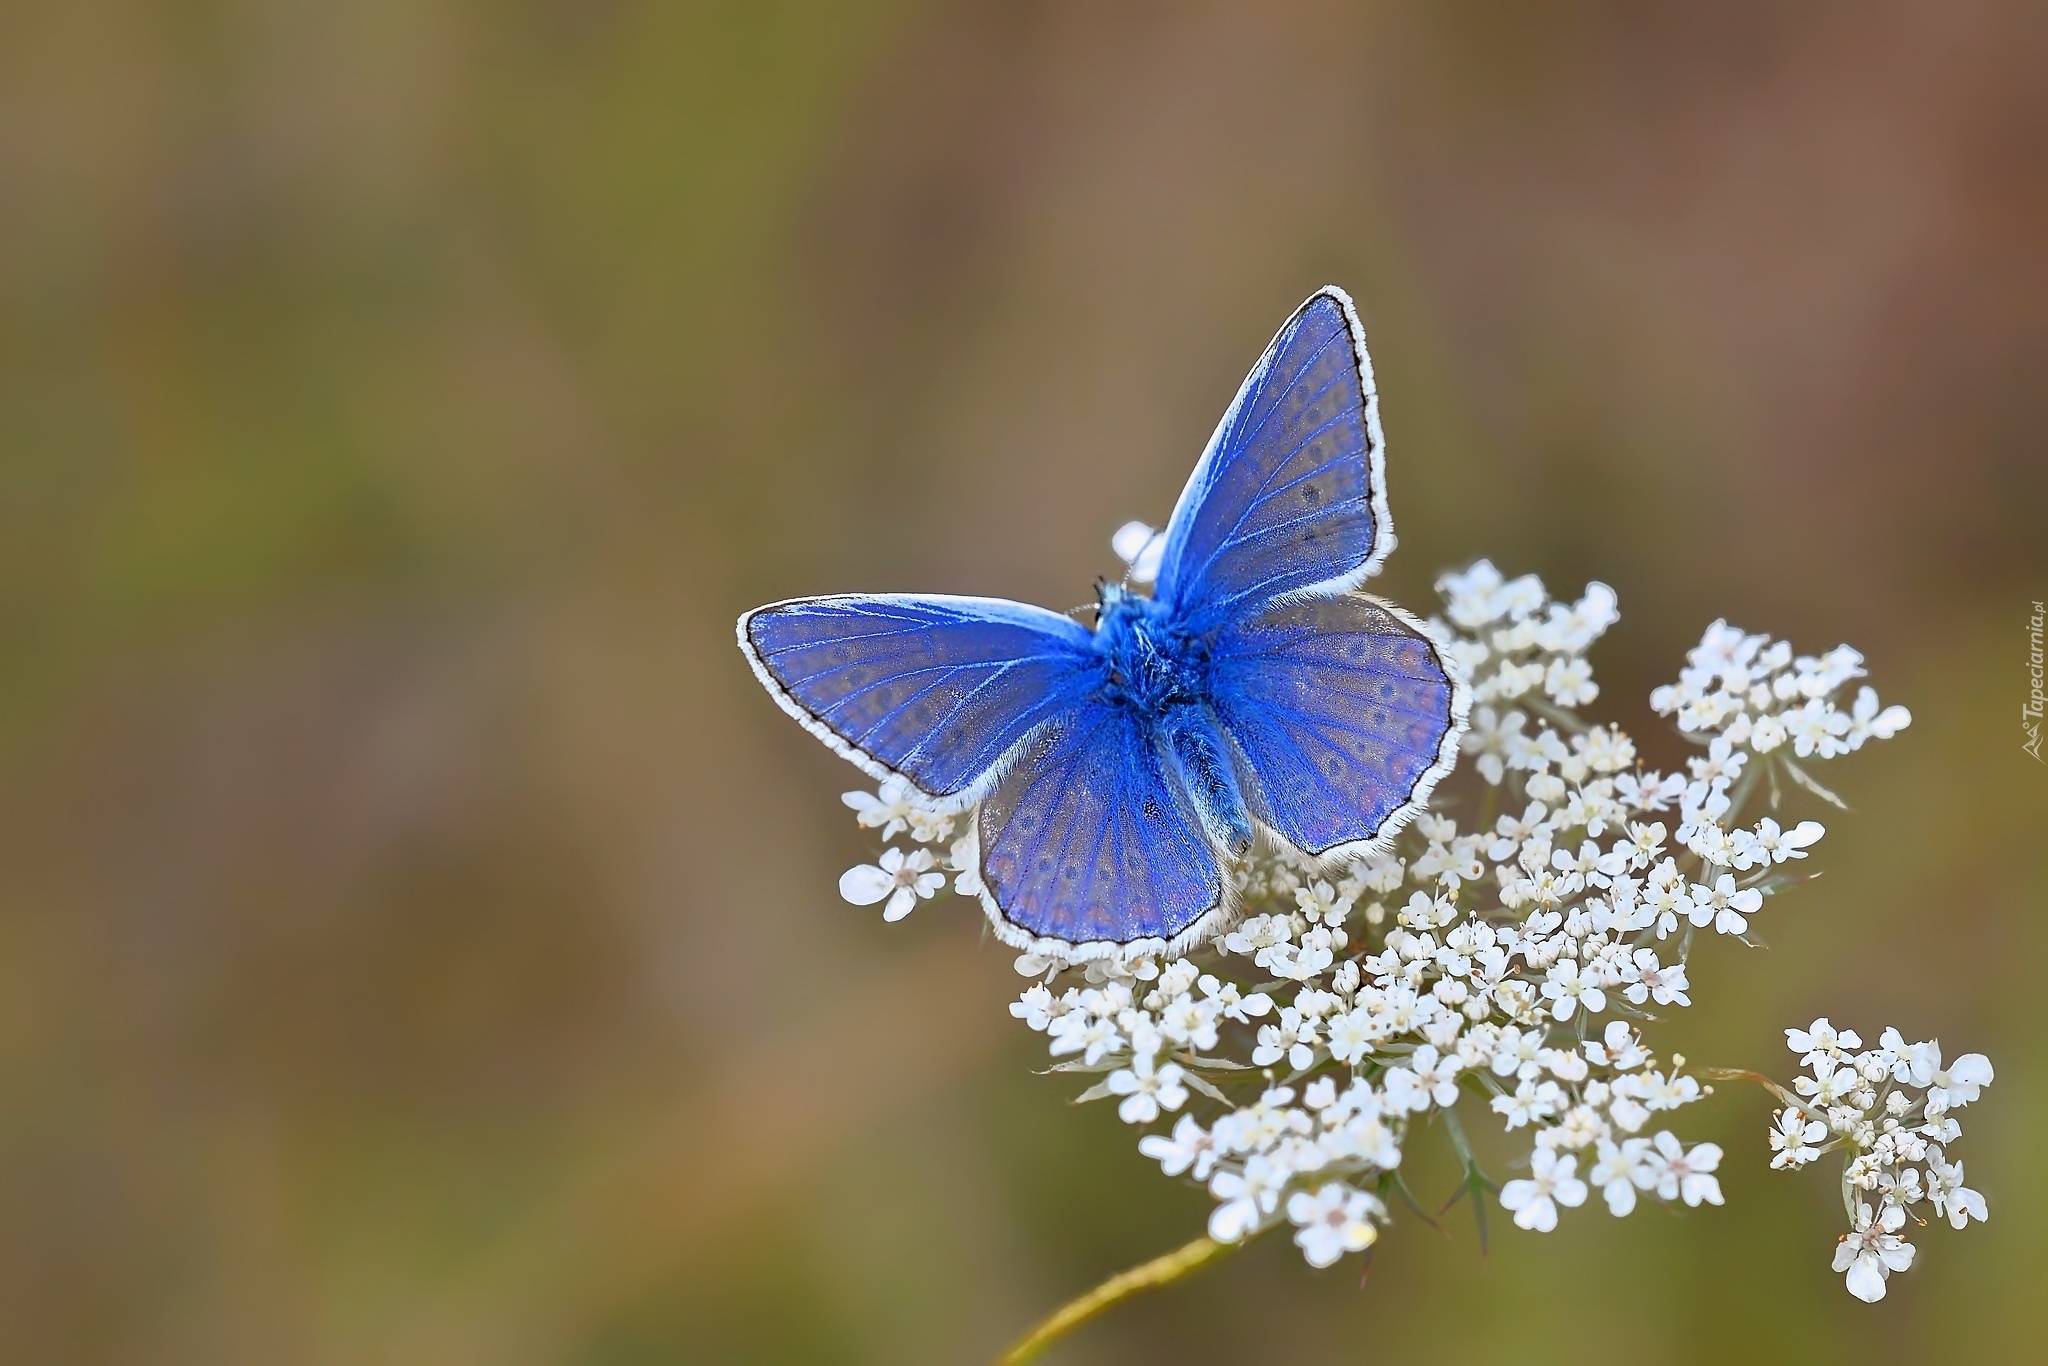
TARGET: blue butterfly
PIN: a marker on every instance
(1121, 773)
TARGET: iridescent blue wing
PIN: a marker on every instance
(1345, 712)
(1086, 839)
(1291, 492)
(936, 690)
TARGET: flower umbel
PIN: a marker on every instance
(1890, 1112)
(1502, 956)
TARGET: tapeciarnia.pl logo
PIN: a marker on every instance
(2030, 714)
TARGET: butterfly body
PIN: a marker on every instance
(1157, 669)
(1118, 775)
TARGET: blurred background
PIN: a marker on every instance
(418, 941)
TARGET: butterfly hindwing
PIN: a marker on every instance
(1087, 838)
(1291, 492)
(936, 690)
(1345, 712)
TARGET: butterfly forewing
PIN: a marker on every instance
(1290, 493)
(934, 689)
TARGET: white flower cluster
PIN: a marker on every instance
(1890, 1111)
(1502, 961)
(1506, 963)
(1753, 692)
(899, 879)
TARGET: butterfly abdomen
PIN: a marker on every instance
(1196, 751)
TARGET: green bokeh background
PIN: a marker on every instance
(417, 937)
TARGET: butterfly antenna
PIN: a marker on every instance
(1131, 565)
(1101, 584)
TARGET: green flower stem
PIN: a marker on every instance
(1743, 785)
(1182, 1261)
